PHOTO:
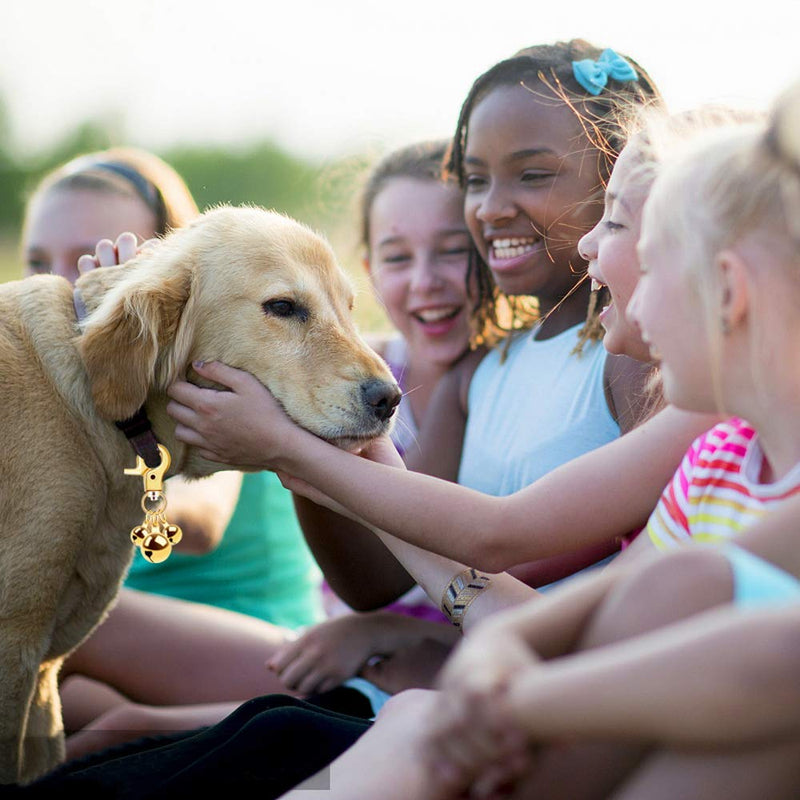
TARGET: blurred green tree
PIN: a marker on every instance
(321, 194)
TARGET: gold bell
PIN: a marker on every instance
(173, 533)
(138, 534)
(156, 548)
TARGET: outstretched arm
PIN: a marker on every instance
(358, 567)
(605, 493)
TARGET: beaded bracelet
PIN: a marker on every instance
(460, 592)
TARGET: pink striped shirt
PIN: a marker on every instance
(716, 491)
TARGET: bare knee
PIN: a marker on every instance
(122, 723)
(663, 591)
(771, 771)
(409, 701)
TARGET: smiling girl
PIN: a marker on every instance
(534, 146)
(416, 248)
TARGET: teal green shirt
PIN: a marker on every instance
(262, 566)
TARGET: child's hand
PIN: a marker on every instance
(476, 743)
(485, 661)
(382, 451)
(329, 653)
(245, 426)
(111, 254)
(475, 734)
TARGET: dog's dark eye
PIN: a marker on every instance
(285, 308)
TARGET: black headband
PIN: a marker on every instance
(146, 189)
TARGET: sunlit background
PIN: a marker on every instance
(285, 103)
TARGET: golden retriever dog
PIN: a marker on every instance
(248, 287)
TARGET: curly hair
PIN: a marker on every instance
(547, 71)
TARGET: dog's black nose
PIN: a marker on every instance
(381, 397)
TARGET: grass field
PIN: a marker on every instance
(10, 266)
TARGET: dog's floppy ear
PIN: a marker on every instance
(125, 337)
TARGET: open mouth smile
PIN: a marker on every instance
(605, 301)
(509, 253)
(505, 249)
(429, 316)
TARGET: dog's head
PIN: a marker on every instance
(253, 289)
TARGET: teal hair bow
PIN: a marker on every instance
(594, 75)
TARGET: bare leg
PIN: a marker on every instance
(655, 596)
(128, 721)
(161, 651)
(584, 771)
(386, 762)
(772, 772)
(662, 592)
(84, 699)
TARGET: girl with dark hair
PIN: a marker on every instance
(534, 146)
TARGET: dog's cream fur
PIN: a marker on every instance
(66, 508)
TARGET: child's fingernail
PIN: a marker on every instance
(198, 364)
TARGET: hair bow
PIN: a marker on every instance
(594, 75)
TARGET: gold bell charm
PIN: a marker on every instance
(156, 548)
(138, 534)
(173, 533)
(155, 536)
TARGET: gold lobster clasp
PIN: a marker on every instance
(153, 477)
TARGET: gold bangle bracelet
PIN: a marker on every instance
(460, 592)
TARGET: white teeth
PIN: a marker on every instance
(501, 243)
(436, 314)
(511, 248)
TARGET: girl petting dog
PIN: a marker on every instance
(621, 481)
(498, 698)
(553, 191)
(719, 243)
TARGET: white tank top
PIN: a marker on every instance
(543, 406)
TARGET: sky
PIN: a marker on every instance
(335, 77)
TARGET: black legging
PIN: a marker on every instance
(267, 746)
